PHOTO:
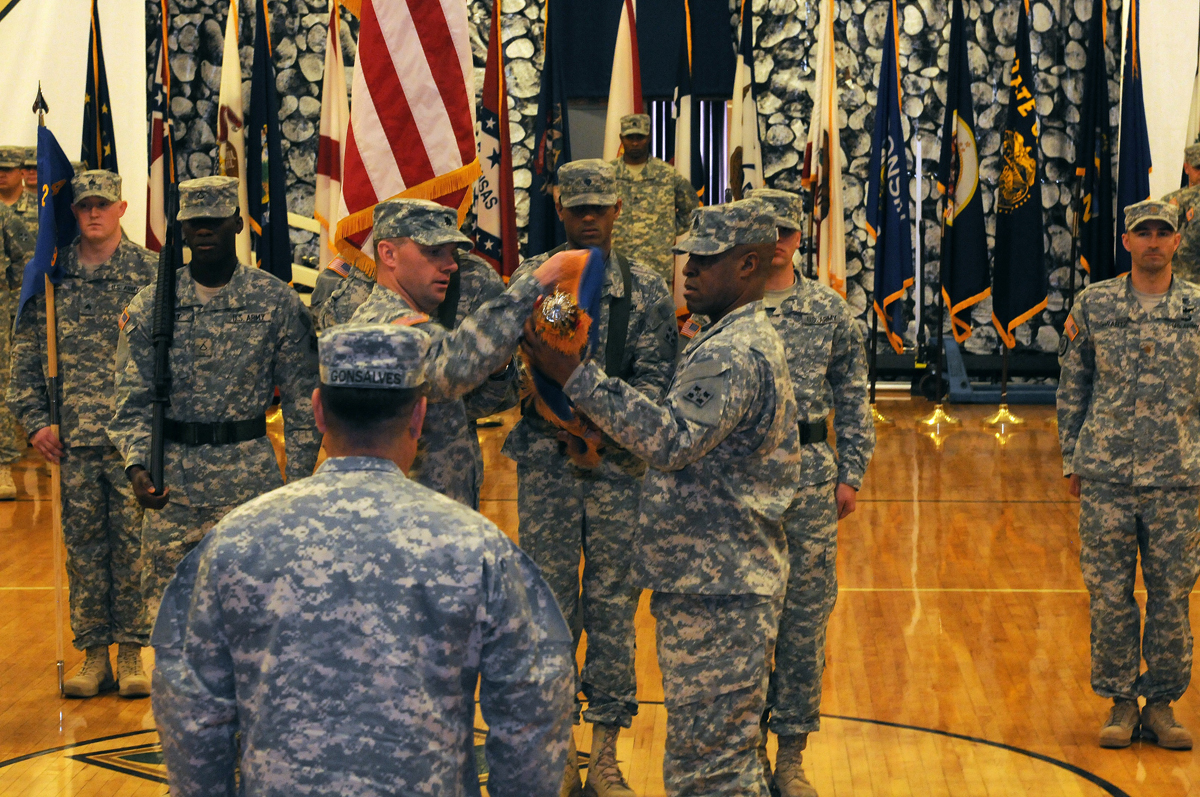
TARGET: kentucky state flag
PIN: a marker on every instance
(888, 219)
(1019, 275)
(964, 243)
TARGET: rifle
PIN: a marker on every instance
(162, 333)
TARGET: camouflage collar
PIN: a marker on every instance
(651, 168)
(351, 464)
(229, 297)
(1179, 303)
(746, 310)
(72, 268)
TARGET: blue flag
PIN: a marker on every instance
(99, 149)
(1133, 160)
(266, 182)
(1094, 160)
(888, 219)
(56, 222)
(551, 139)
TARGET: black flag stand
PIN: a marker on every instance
(939, 417)
(1002, 418)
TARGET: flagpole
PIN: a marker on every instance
(939, 417)
(1002, 418)
(41, 108)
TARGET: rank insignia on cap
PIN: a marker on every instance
(690, 329)
(698, 395)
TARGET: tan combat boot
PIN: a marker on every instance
(1122, 722)
(1159, 726)
(94, 676)
(789, 776)
(604, 776)
(763, 760)
(132, 677)
(8, 488)
(571, 786)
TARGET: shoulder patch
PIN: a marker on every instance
(123, 320)
(339, 267)
(1070, 328)
(411, 320)
(690, 329)
(1191, 213)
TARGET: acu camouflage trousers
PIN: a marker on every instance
(168, 535)
(102, 523)
(810, 523)
(12, 436)
(563, 510)
(715, 655)
(1116, 523)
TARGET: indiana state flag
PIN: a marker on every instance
(99, 150)
(56, 222)
(888, 219)
(1019, 274)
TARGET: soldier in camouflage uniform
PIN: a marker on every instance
(656, 201)
(1186, 262)
(12, 188)
(29, 169)
(414, 247)
(1129, 426)
(724, 456)
(359, 677)
(16, 247)
(564, 508)
(239, 333)
(333, 276)
(828, 365)
(101, 518)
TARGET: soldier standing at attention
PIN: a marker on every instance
(565, 508)
(354, 672)
(828, 365)
(1129, 425)
(239, 333)
(1186, 262)
(12, 188)
(724, 457)
(101, 518)
(657, 202)
(29, 170)
(415, 266)
(16, 247)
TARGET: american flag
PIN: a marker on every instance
(412, 127)
(161, 168)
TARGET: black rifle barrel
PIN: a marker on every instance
(162, 333)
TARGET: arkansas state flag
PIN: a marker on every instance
(495, 205)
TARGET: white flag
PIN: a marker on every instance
(823, 162)
(625, 86)
(745, 150)
(231, 136)
(335, 116)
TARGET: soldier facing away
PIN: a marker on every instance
(414, 246)
(16, 247)
(657, 202)
(1129, 426)
(101, 518)
(354, 671)
(724, 457)
(828, 365)
(565, 508)
(239, 333)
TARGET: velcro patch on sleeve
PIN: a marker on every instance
(1071, 328)
(690, 329)
(411, 320)
(123, 320)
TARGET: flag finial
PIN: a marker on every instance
(39, 105)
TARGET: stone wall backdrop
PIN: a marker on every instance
(1058, 31)
(784, 40)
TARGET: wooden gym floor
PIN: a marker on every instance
(957, 654)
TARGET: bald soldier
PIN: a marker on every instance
(724, 457)
(1129, 426)
(828, 366)
(656, 202)
(354, 671)
(101, 517)
(1186, 262)
(567, 508)
(415, 243)
(240, 333)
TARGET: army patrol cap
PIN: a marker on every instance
(1151, 210)
(1191, 155)
(719, 228)
(427, 223)
(376, 356)
(587, 182)
(11, 157)
(635, 124)
(208, 198)
(30, 161)
(97, 182)
(784, 204)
